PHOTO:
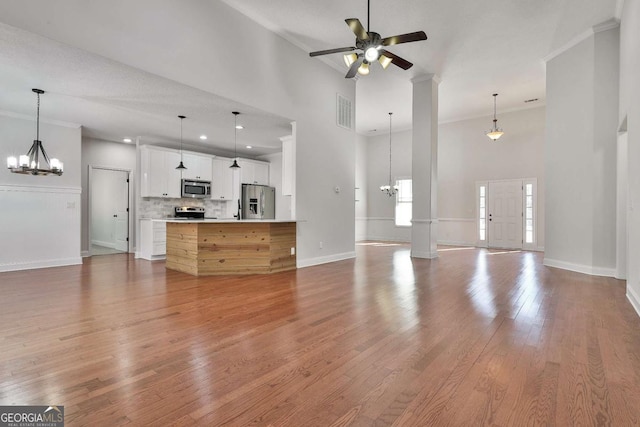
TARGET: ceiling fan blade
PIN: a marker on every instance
(357, 28)
(328, 51)
(395, 59)
(404, 38)
(354, 67)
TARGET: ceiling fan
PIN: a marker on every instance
(372, 46)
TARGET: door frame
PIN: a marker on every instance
(130, 201)
(485, 243)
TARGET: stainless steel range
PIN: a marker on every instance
(189, 212)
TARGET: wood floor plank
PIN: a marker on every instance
(475, 337)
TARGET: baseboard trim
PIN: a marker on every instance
(41, 264)
(110, 245)
(633, 299)
(302, 263)
(425, 255)
(580, 268)
(455, 243)
(85, 254)
(386, 239)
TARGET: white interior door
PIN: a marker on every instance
(122, 213)
(505, 214)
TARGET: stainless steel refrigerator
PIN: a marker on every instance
(258, 202)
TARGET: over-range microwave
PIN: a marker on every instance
(196, 189)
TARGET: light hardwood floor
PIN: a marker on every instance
(475, 337)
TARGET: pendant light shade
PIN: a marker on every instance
(235, 164)
(36, 161)
(390, 189)
(495, 133)
(181, 166)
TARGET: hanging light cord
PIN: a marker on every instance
(390, 148)
(235, 135)
(181, 118)
(38, 119)
(495, 120)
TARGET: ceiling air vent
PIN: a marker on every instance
(344, 115)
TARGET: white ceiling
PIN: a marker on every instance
(476, 47)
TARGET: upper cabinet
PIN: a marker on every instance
(159, 176)
(222, 179)
(198, 166)
(253, 172)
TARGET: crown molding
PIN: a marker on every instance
(426, 77)
(603, 26)
(33, 119)
(619, 9)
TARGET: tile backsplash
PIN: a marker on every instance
(156, 207)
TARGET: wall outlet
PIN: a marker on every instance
(71, 205)
(320, 245)
(293, 251)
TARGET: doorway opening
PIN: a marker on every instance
(109, 210)
(506, 214)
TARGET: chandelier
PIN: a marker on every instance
(390, 189)
(36, 161)
(495, 133)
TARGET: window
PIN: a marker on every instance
(404, 201)
(528, 213)
(482, 213)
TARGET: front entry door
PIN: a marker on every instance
(505, 214)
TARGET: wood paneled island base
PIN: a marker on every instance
(204, 248)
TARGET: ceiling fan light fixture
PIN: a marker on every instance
(363, 69)
(349, 59)
(371, 54)
(384, 61)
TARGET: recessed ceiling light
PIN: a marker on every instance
(203, 137)
(127, 140)
(239, 127)
(249, 146)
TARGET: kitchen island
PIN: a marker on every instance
(215, 247)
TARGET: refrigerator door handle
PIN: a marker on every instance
(261, 203)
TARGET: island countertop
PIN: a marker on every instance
(228, 220)
(205, 247)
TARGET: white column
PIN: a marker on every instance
(424, 167)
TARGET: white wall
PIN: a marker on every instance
(40, 215)
(465, 155)
(253, 66)
(630, 110)
(580, 156)
(106, 154)
(360, 194)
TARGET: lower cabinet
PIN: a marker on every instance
(153, 239)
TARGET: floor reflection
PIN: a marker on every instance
(480, 289)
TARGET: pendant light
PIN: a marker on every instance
(181, 166)
(235, 164)
(31, 163)
(390, 189)
(495, 133)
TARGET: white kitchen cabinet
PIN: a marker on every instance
(288, 165)
(198, 166)
(153, 239)
(160, 178)
(221, 179)
(253, 172)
